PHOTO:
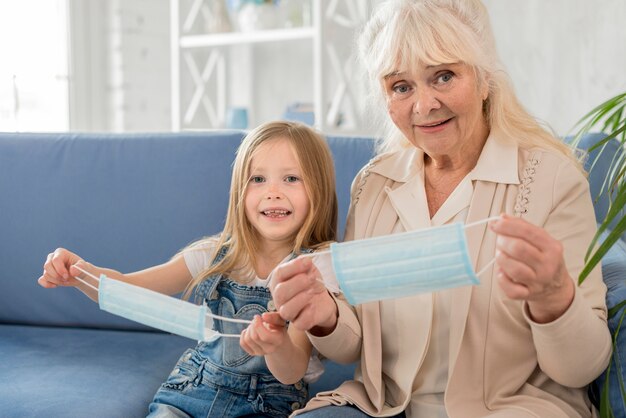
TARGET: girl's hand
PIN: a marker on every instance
(531, 267)
(301, 298)
(265, 335)
(59, 270)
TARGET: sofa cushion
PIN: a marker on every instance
(78, 373)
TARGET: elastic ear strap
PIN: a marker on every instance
(489, 264)
(88, 274)
(86, 284)
(484, 221)
(223, 318)
(484, 269)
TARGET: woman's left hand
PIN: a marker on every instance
(531, 267)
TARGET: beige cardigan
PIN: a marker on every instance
(501, 362)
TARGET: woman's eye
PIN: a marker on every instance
(291, 179)
(444, 78)
(400, 88)
(257, 179)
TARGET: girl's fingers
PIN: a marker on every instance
(273, 319)
(247, 344)
(50, 270)
(45, 283)
(257, 339)
(60, 259)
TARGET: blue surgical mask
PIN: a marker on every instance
(156, 309)
(399, 265)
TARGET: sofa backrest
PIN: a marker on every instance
(125, 201)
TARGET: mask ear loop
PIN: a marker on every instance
(97, 279)
(209, 314)
(493, 260)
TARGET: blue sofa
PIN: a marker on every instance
(127, 201)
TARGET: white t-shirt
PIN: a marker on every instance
(199, 257)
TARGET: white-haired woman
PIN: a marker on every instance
(528, 340)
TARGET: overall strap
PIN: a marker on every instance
(211, 282)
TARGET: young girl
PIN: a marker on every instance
(282, 203)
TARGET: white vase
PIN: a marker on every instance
(254, 16)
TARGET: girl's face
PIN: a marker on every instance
(438, 108)
(276, 202)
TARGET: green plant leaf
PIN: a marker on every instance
(609, 117)
(615, 309)
(611, 238)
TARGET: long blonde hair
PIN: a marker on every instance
(239, 241)
(402, 33)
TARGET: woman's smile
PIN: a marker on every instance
(433, 127)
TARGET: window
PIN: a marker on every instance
(34, 66)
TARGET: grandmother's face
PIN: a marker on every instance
(438, 108)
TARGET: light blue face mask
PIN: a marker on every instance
(156, 309)
(399, 265)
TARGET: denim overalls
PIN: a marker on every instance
(218, 378)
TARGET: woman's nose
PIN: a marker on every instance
(425, 101)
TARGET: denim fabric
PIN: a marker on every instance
(218, 378)
(199, 388)
(340, 411)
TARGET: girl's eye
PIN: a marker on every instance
(257, 179)
(291, 179)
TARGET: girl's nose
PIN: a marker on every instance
(273, 191)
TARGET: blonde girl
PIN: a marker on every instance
(282, 204)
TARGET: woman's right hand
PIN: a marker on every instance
(301, 298)
(56, 269)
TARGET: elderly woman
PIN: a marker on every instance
(527, 341)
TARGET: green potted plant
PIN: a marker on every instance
(610, 118)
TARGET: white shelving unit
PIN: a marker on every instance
(239, 38)
(334, 96)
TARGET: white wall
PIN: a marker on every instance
(139, 76)
(564, 57)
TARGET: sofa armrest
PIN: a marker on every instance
(614, 275)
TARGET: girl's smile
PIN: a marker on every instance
(276, 202)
